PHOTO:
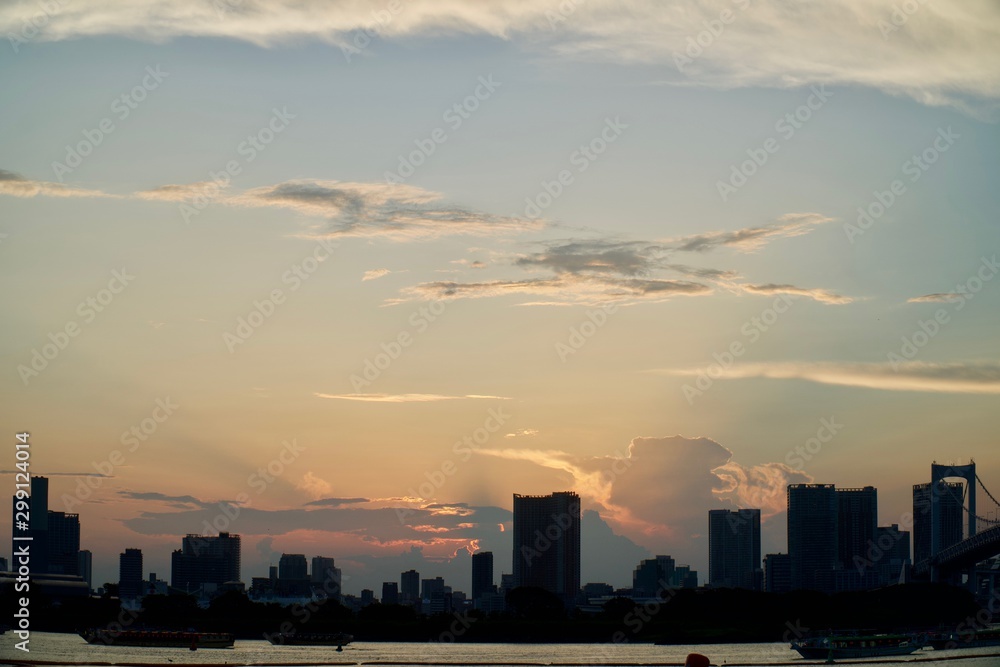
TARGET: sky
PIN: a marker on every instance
(343, 277)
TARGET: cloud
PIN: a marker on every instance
(405, 398)
(750, 239)
(944, 53)
(522, 433)
(938, 297)
(567, 289)
(821, 295)
(375, 274)
(601, 257)
(16, 185)
(336, 502)
(179, 502)
(181, 193)
(961, 377)
(379, 210)
(314, 485)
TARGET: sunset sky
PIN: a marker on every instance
(418, 256)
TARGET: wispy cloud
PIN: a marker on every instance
(945, 53)
(750, 239)
(379, 210)
(16, 185)
(938, 297)
(181, 192)
(375, 274)
(960, 377)
(405, 398)
(821, 295)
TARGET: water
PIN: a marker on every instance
(66, 649)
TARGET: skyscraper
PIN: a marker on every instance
(951, 498)
(777, 573)
(409, 586)
(547, 543)
(293, 567)
(64, 543)
(390, 592)
(734, 549)
(812, 536)
(322, 569)
(85, 567)
(482, 574)
(205, 560)
(857, 524)
(653, 576)
(37, 505)
(130, 574)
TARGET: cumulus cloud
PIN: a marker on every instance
(944, 53)
(750, 239)
(16, 185)
(405, 398)
(960, 377)
(314, 485)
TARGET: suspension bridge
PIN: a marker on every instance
(978, 545)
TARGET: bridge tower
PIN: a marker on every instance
(939, 473)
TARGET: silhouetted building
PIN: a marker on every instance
(428, 587)
(390, 592)
(293, 567)
(64, 543)
(85, 567)
(547, 543)
(777, 573)
(812, 536)
(37, 506)
(857, 523)
(734, 549)
(598, 590)
(4, 566)
(951, 499)
(130, 574)
(205, 561)
(409, 586)
(482, 574)
(320, 567)
(653, 576)
(367, 597)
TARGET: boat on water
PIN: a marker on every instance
(856, 645)
(310, 638)
(159, 638)
(965, 639)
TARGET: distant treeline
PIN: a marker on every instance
(687, 616)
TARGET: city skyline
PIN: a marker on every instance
(340, 278)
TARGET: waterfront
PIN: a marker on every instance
(69, 649)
